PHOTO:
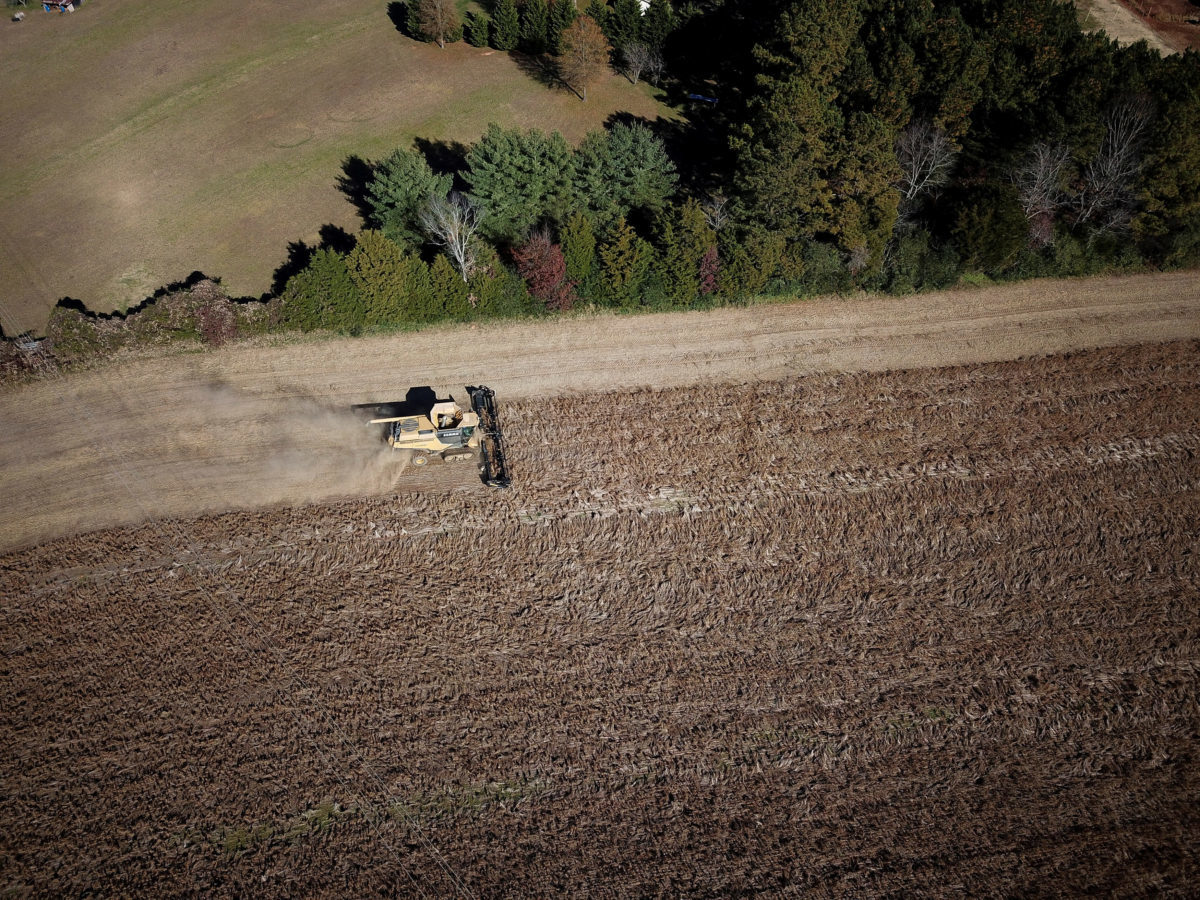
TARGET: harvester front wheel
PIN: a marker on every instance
(420, 459)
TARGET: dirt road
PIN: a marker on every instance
(245, 427)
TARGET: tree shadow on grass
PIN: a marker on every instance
(356, 177)
(300, 254)
(541, 69)
(445, 158)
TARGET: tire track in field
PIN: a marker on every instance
(250, 426)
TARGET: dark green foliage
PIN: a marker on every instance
(1168, 228)
(990, 230)
(824, 270)
(476, 29)
(657, 24)
(622, 169)
(521, 179)
(579, 251)
(685, 238)
(535, 26)
(753, 257)
(807, 167)
(381, 272)
(623, 24)
(449, 294)
(562, 14)
(402, 185)
(915, 264)
(412, 21)
(597, 11)
(499, 292)
(323, 296)
(506, 26)
(625, 261)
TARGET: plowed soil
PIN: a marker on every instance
(247, 427)
(919, 633)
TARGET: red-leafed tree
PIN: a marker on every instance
(710, 269)
(541, 264)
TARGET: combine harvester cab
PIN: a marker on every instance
(425, 428)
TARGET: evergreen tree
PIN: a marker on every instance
(535, 26)
(323, 296)
(685, 240)
(477, 30)
(806, 167)
(379, 270)
(597, 11)
(623, 24)
(622, 169)
(562, 16)
(579, 248)
(657, 24)
(506, 26)
(521, 179)
(401, 186)
(449, 294)
(624, 260)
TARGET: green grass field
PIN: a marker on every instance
(143, 139)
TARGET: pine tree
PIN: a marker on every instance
(506, 26)
(477, 30)
(520, 179)
(624, 260)
(535, 26)
(622, 169)
(657, 24)
(685, 239)
(579, 248)
(806, 166)
(379, 270)
(597, 11)
(624, 24)
(562, 15)
(323, 296)
(448, 292)
(399, 190)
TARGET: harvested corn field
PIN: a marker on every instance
(927, 632)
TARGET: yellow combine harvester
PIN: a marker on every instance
(425, 428)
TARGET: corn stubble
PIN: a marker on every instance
(922, 632)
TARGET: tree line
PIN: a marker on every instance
(889, 146)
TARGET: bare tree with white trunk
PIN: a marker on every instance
(451, 223)
(926, 156)
(636, 59)
(1107, 195)
(716, 210)
(1040, 189)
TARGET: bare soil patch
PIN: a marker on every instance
(244, 427)
(168, 137)
(914, 633)
(1169, 26)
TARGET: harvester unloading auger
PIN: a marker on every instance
(426, 428)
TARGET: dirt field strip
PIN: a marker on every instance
(245, 427)
(1124, 27)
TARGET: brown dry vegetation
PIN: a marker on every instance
(928, 632)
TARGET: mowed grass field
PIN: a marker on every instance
(143, 139)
